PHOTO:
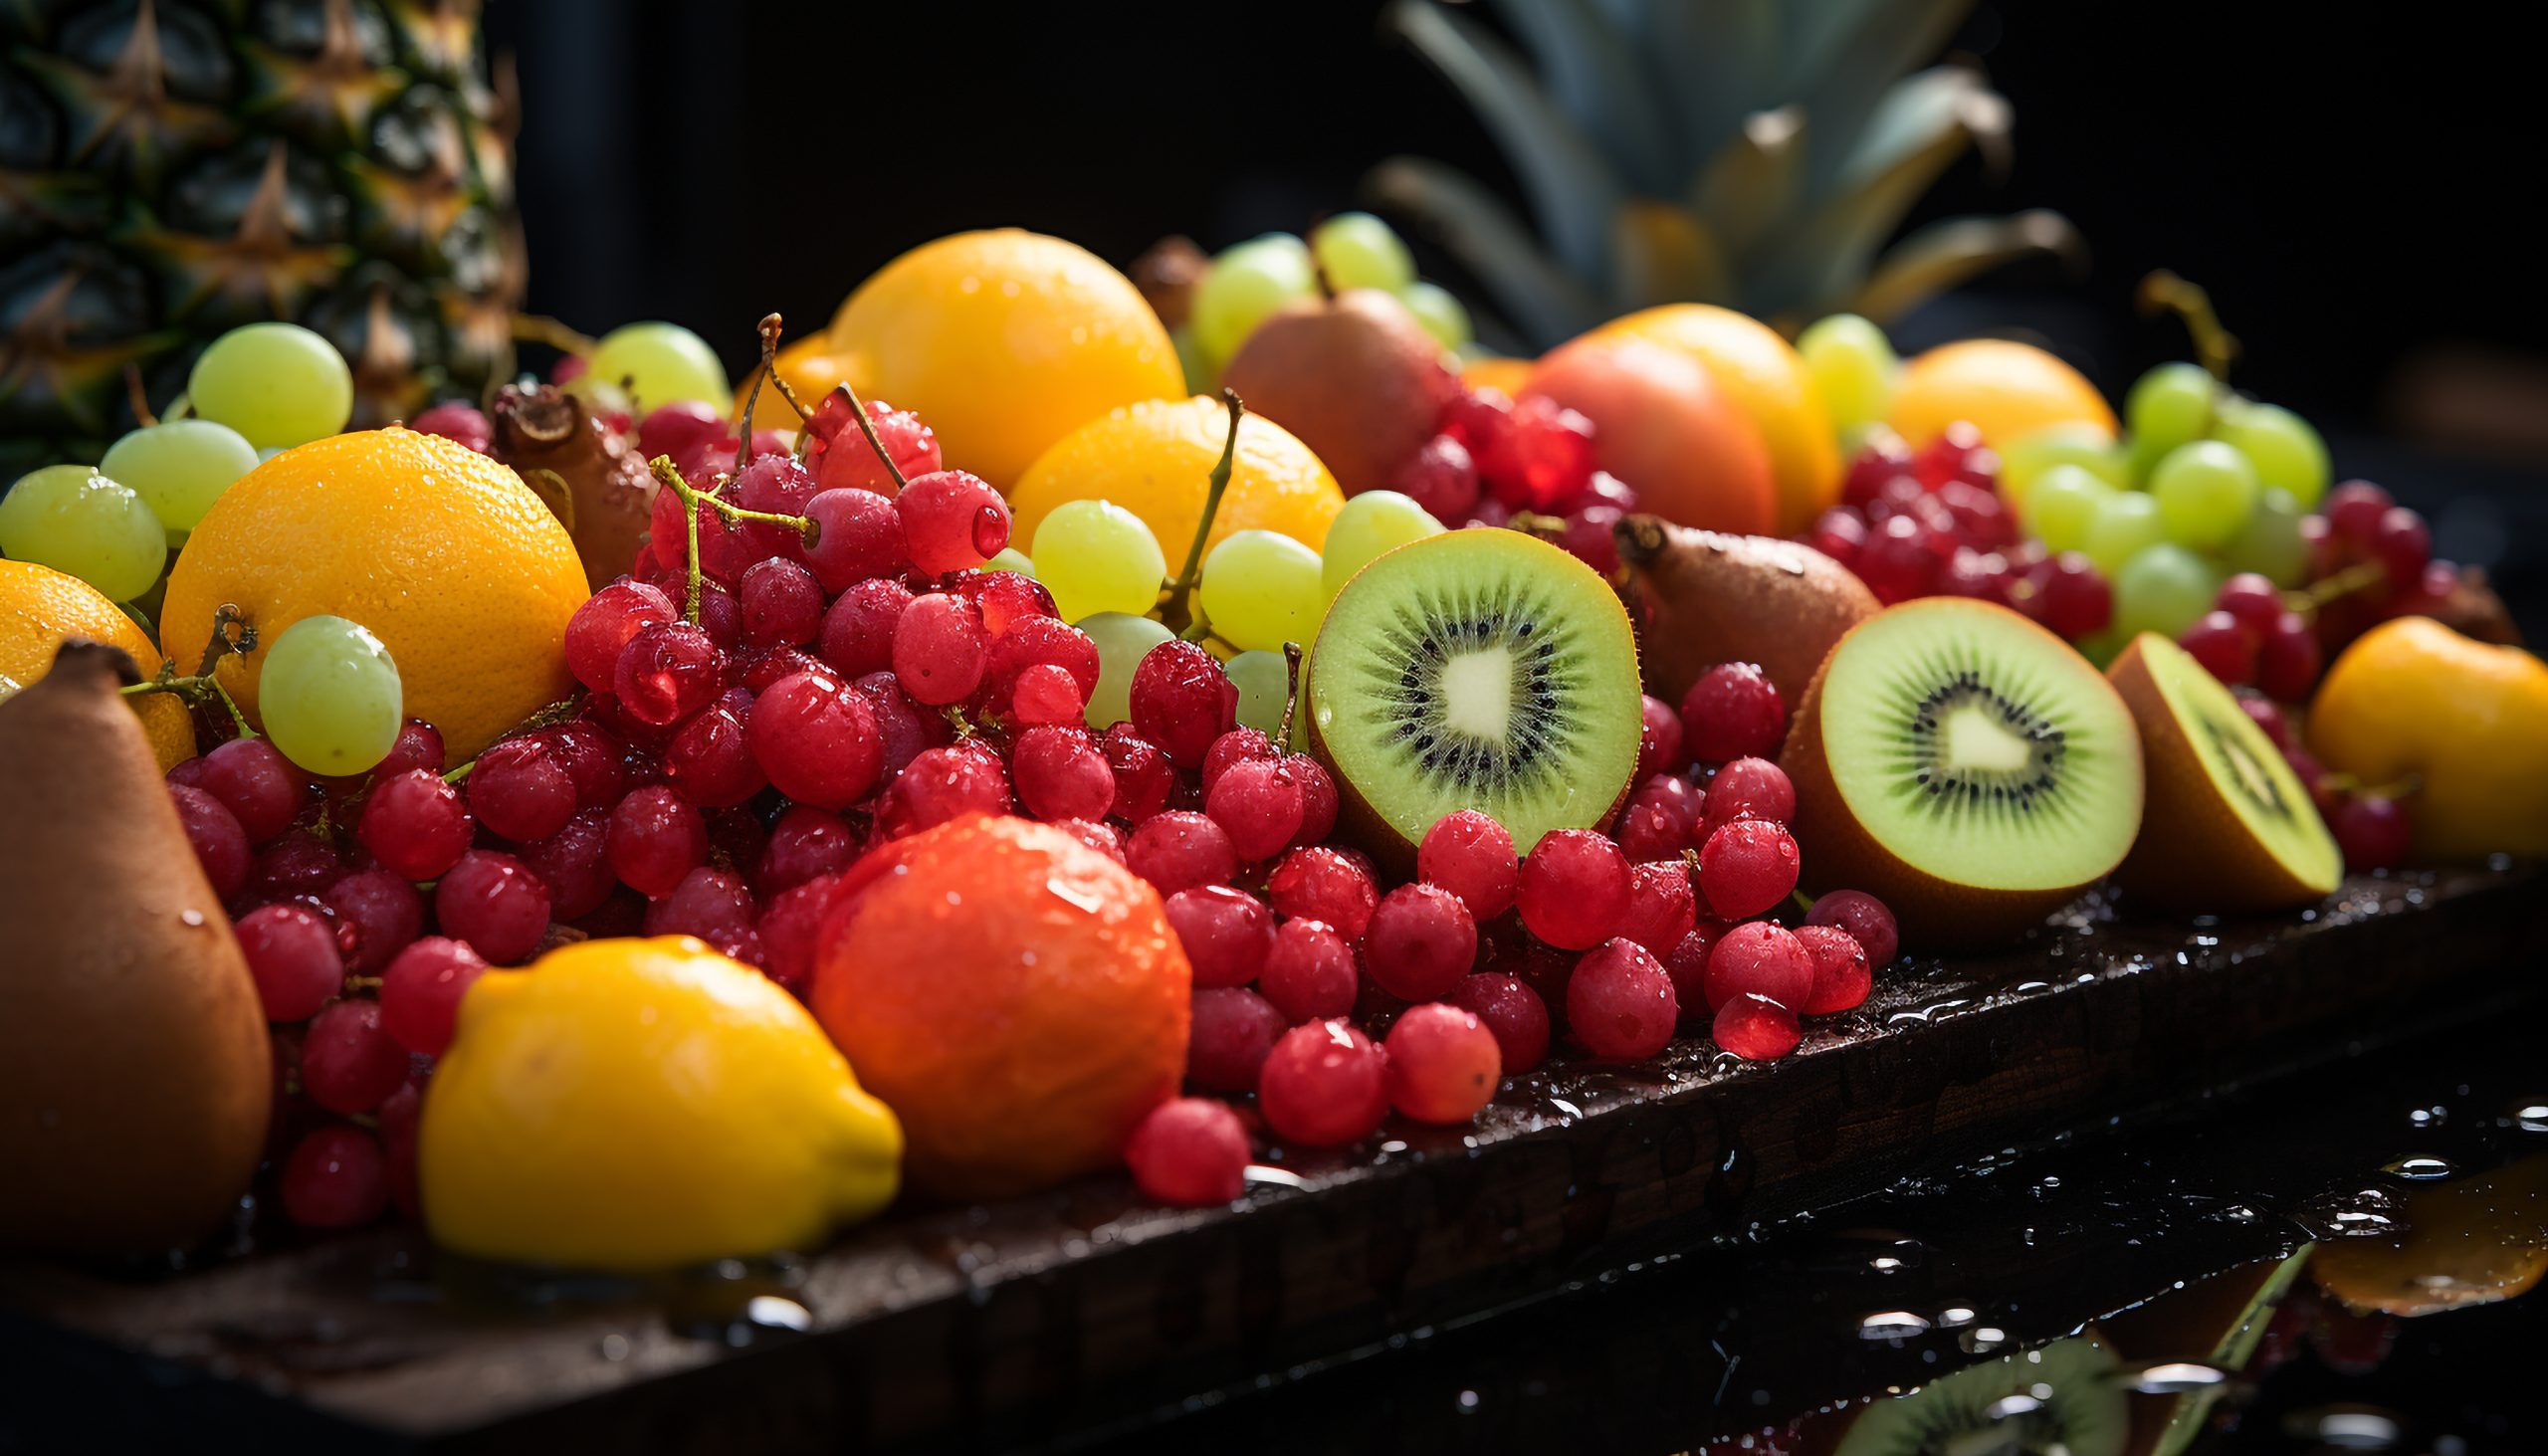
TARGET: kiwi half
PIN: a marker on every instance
(2064, 1397)
(1474, 670)
(2229, 826)
(1965, 766)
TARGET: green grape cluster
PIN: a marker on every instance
(2206, 483)
(1247, 282)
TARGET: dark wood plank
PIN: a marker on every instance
(993, 1322)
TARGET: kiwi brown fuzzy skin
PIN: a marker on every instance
(1840, 853)
(2194, 853)
(1702, 597)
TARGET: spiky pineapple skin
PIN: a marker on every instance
(172, 168)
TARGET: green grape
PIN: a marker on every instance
(662, 363)
(2163, 589)
(2286, 452)
(2271, 544)
(2060, 506)
(2204, 492)
(2124, 523)
(1262, 589)
(1010, 558)
(2169, 406)
(279, 384)
(1243, 288)
(1852, 365)
(1440, 311)
(1096, 556)
(1264, 682)
(1371, 523)
(329, 696)
(76, 520)
(1121, 641)
(179, 469)
(1357, 251)
(2025, 459)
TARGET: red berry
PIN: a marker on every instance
(668, 672)
(1421, 940)
(1661, 906)
(2402, 544)
(1621, 1003)
(420, 992)
(1757, 1028)
(594, 759)
(414, 825)
(1046, 695)
(2288, 659)
(714, 904)
(1331, 886)
(1318, 798)
(782, 604)
(1309, 971)
(418, 746)
(1746, 868)
(1512, 1011)
(939, 648)
(1886, 457)
(599, 629)
(2069, 597)
(1005, 598)
(1574, 888)
(1842, 977)
(939, 784)
(1232, 1030)
(1189, 1153)
(495, 903)
(1650, 832)
(574, 863)
(845, 458)
(710, 759)
(457, 420)
(2354, 511)
(1259, 804)
(1444, 1064)
(1061, 776)
(1227, 934)
(2373, 832)
(519, 791)
(1733, 711)
(904, 727)
(1182, 700)
(1324, 1084)
(1442, 477)
(790, 929)
(1142, 775)
(1230, 750)
(1031, 642)
(1687, 964)
(951, 519)
(334, 1178)
(1837, 533)
(220, 844)
(805, 844)
(1179, 849)
(257, 784)
(2223, 644)
(679, 428)
(1470, 853)
(858, 631)
(347, 1062)
(1865, 918)
(1754, 788)
(816, 739)
(1477, 418)
(857, 536)
(1896, 562)
(1762, 960)
(378, 913)
(654, 837)
(293, 957)
(2254, 599)
(1658, 744)
(1543, 459)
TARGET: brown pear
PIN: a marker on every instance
(1701, 597)
(135, 1077)
(1355, 376)
(591, 479)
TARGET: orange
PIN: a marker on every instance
(2465, 721)
(1016, 997)
(1155, 460)
(445, 554)
(1768, 381)
(40, 607)
(1496, 372)
(1003, 341)
(1664, 427)
(2003, 388)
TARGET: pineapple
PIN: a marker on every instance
(1757, 155)
(170, 168)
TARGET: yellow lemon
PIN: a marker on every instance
(40, 607)
(1155, 460)
(2003, 388)
(641, 1104)
(2466, 722)
(1003, 341)
(1768, 381)
(445, 554)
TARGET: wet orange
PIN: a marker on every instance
(1016, 997)
(39, 608)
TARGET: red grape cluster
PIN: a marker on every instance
(1496, 461)
(1932, 522)
(2370, 825)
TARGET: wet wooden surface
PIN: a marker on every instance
(1081, 1308)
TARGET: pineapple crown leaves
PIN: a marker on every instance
(1739, 151)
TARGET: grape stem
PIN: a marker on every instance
(2360, 577)
(769, 329)
(200, 687)
(203, 685)
(540, 328)
(1176, 598)
(1291, 693)
(668, 476)
(867, 427)
(138, 395)
(2215, 347)
(2346, 783)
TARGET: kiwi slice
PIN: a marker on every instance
(1475, 670)
(1964, 766)
(2229, 826)
(2064, 1399)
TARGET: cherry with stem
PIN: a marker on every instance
(1177, 610)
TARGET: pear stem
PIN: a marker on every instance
(1291, 693)
(2215, 347)
(668, 476)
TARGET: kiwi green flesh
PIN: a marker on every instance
(2253, 778)
(2062, 1398)
(1478, 670)
(1981, 751)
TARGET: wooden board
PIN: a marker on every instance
(1080, 1306)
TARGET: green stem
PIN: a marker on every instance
(867, 427)
(669, 477)
(2360, 577)
(1198, 629)
(770, 327)
(2213, 346)
(1219, 487)
(1291, 691)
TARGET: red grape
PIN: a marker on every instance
(1227, 933)
(1512, 1011)
(1005, 598)
(1142, 775)
(1421, 940)
(1182, 701)
(1442, 477)
(1328, 884)
(858, 631)
(2223, 644)
(939, 648)
(1444, 1064)
(574, 864)
(1189, 1153)
(495, 903)
(1842, 977)
(2288, 660)
(380, 912)
(457, 419)
(1750, 788)
(1470, 853)
(790, 930)
(2254, 599)
(1896, 562)
(816, 738)
(1733, 711)
(710, 760)
(950, 521)
(594, 760)
(1309, 971)
(2069, 597)
(1574, 888)
(414, 825)
(1232, 1030)
(257, 784)
(782, 604)
(1621, 1003)
(1762, 960)
(1178, 849)
(220, 844)
(1658, 744)
(655, 838)
(678, 428)
(601, 627)
(1661, 906)
(1687, 964)
(298, 864)
(2354, 511)
(668, 672)
(1258, 804)
(1541, 459)
(805, 844)
(2372, 831)
(1839, 533)
(2402, 544)
(1865, 918)
(1045, 695)
(334, 1177)
(1746, 868)
(519, 791)
(714, 904)
(857, 536)
(939, 784)
(1239, 746)
(1886, 457)
(418, 746)
(1757, 1028)
(1324, 1084)
(293, 957)
(347, 1062)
